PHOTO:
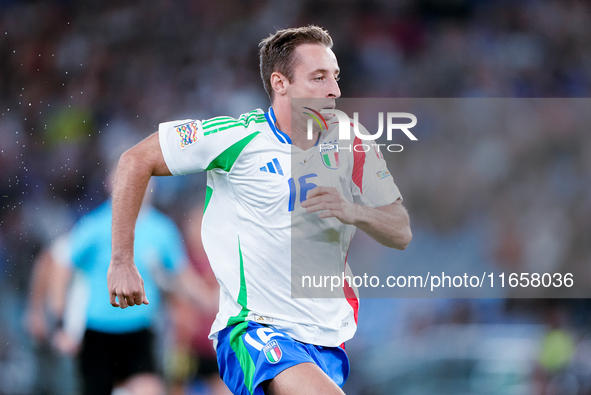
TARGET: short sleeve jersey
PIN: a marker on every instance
(158, 250)
(255, 185)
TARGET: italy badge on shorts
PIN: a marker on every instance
(272, 351)
(329, 152)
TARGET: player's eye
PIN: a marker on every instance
(337, 78)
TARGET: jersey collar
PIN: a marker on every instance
(282, 137)
(272, 121)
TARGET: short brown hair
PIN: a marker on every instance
(276, 52)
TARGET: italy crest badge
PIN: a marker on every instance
(329, 152)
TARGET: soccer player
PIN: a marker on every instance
(267, 341)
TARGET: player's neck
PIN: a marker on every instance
(298, 133)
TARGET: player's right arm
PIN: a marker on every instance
(134, 170)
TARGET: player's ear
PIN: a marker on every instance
(279, 83)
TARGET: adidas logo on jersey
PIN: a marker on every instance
(273, 167)
(260, 318)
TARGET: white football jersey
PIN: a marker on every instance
(255, 232)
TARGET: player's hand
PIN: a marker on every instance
(331, 203)
(37, 325)
(126, 285)
(65, 343)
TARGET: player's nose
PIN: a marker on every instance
(333, 89)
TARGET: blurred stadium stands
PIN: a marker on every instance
(82, 81)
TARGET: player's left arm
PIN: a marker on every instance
(389, 225)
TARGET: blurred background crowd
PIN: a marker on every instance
(82, 81)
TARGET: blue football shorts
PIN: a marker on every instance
(250, 353)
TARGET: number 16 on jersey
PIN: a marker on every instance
(301, 188)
